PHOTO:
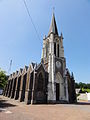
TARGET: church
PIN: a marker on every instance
(47, 82)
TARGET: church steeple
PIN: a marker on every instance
(53, 26)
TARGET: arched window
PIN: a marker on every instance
(58, 50)
(55, 49)
(40, 82)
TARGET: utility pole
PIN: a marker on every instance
(10, 67)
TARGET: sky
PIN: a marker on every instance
(20, 43)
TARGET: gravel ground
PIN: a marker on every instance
(15, 110)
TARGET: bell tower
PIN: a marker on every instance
(55, 64)
(53, 43)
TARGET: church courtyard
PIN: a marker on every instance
(15, 110)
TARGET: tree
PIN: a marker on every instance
(88, 86)
(3, 79)
(82, 85)
(77, 85)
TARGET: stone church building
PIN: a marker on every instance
(47, 82)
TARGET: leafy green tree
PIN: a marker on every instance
(88, 86)
(82, 85)
(3, 78)
(77, 85)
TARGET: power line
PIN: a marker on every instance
(31, 19)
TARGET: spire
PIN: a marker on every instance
(53, 27)
(72, 76)
(61, 35)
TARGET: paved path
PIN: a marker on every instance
(83, 96)
(14, 110)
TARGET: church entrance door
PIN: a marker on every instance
(57, 91)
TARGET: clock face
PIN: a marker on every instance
(58, 64)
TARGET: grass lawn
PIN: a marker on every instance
(87, 90)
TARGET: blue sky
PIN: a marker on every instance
(19, 42)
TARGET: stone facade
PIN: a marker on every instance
(47, 82)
